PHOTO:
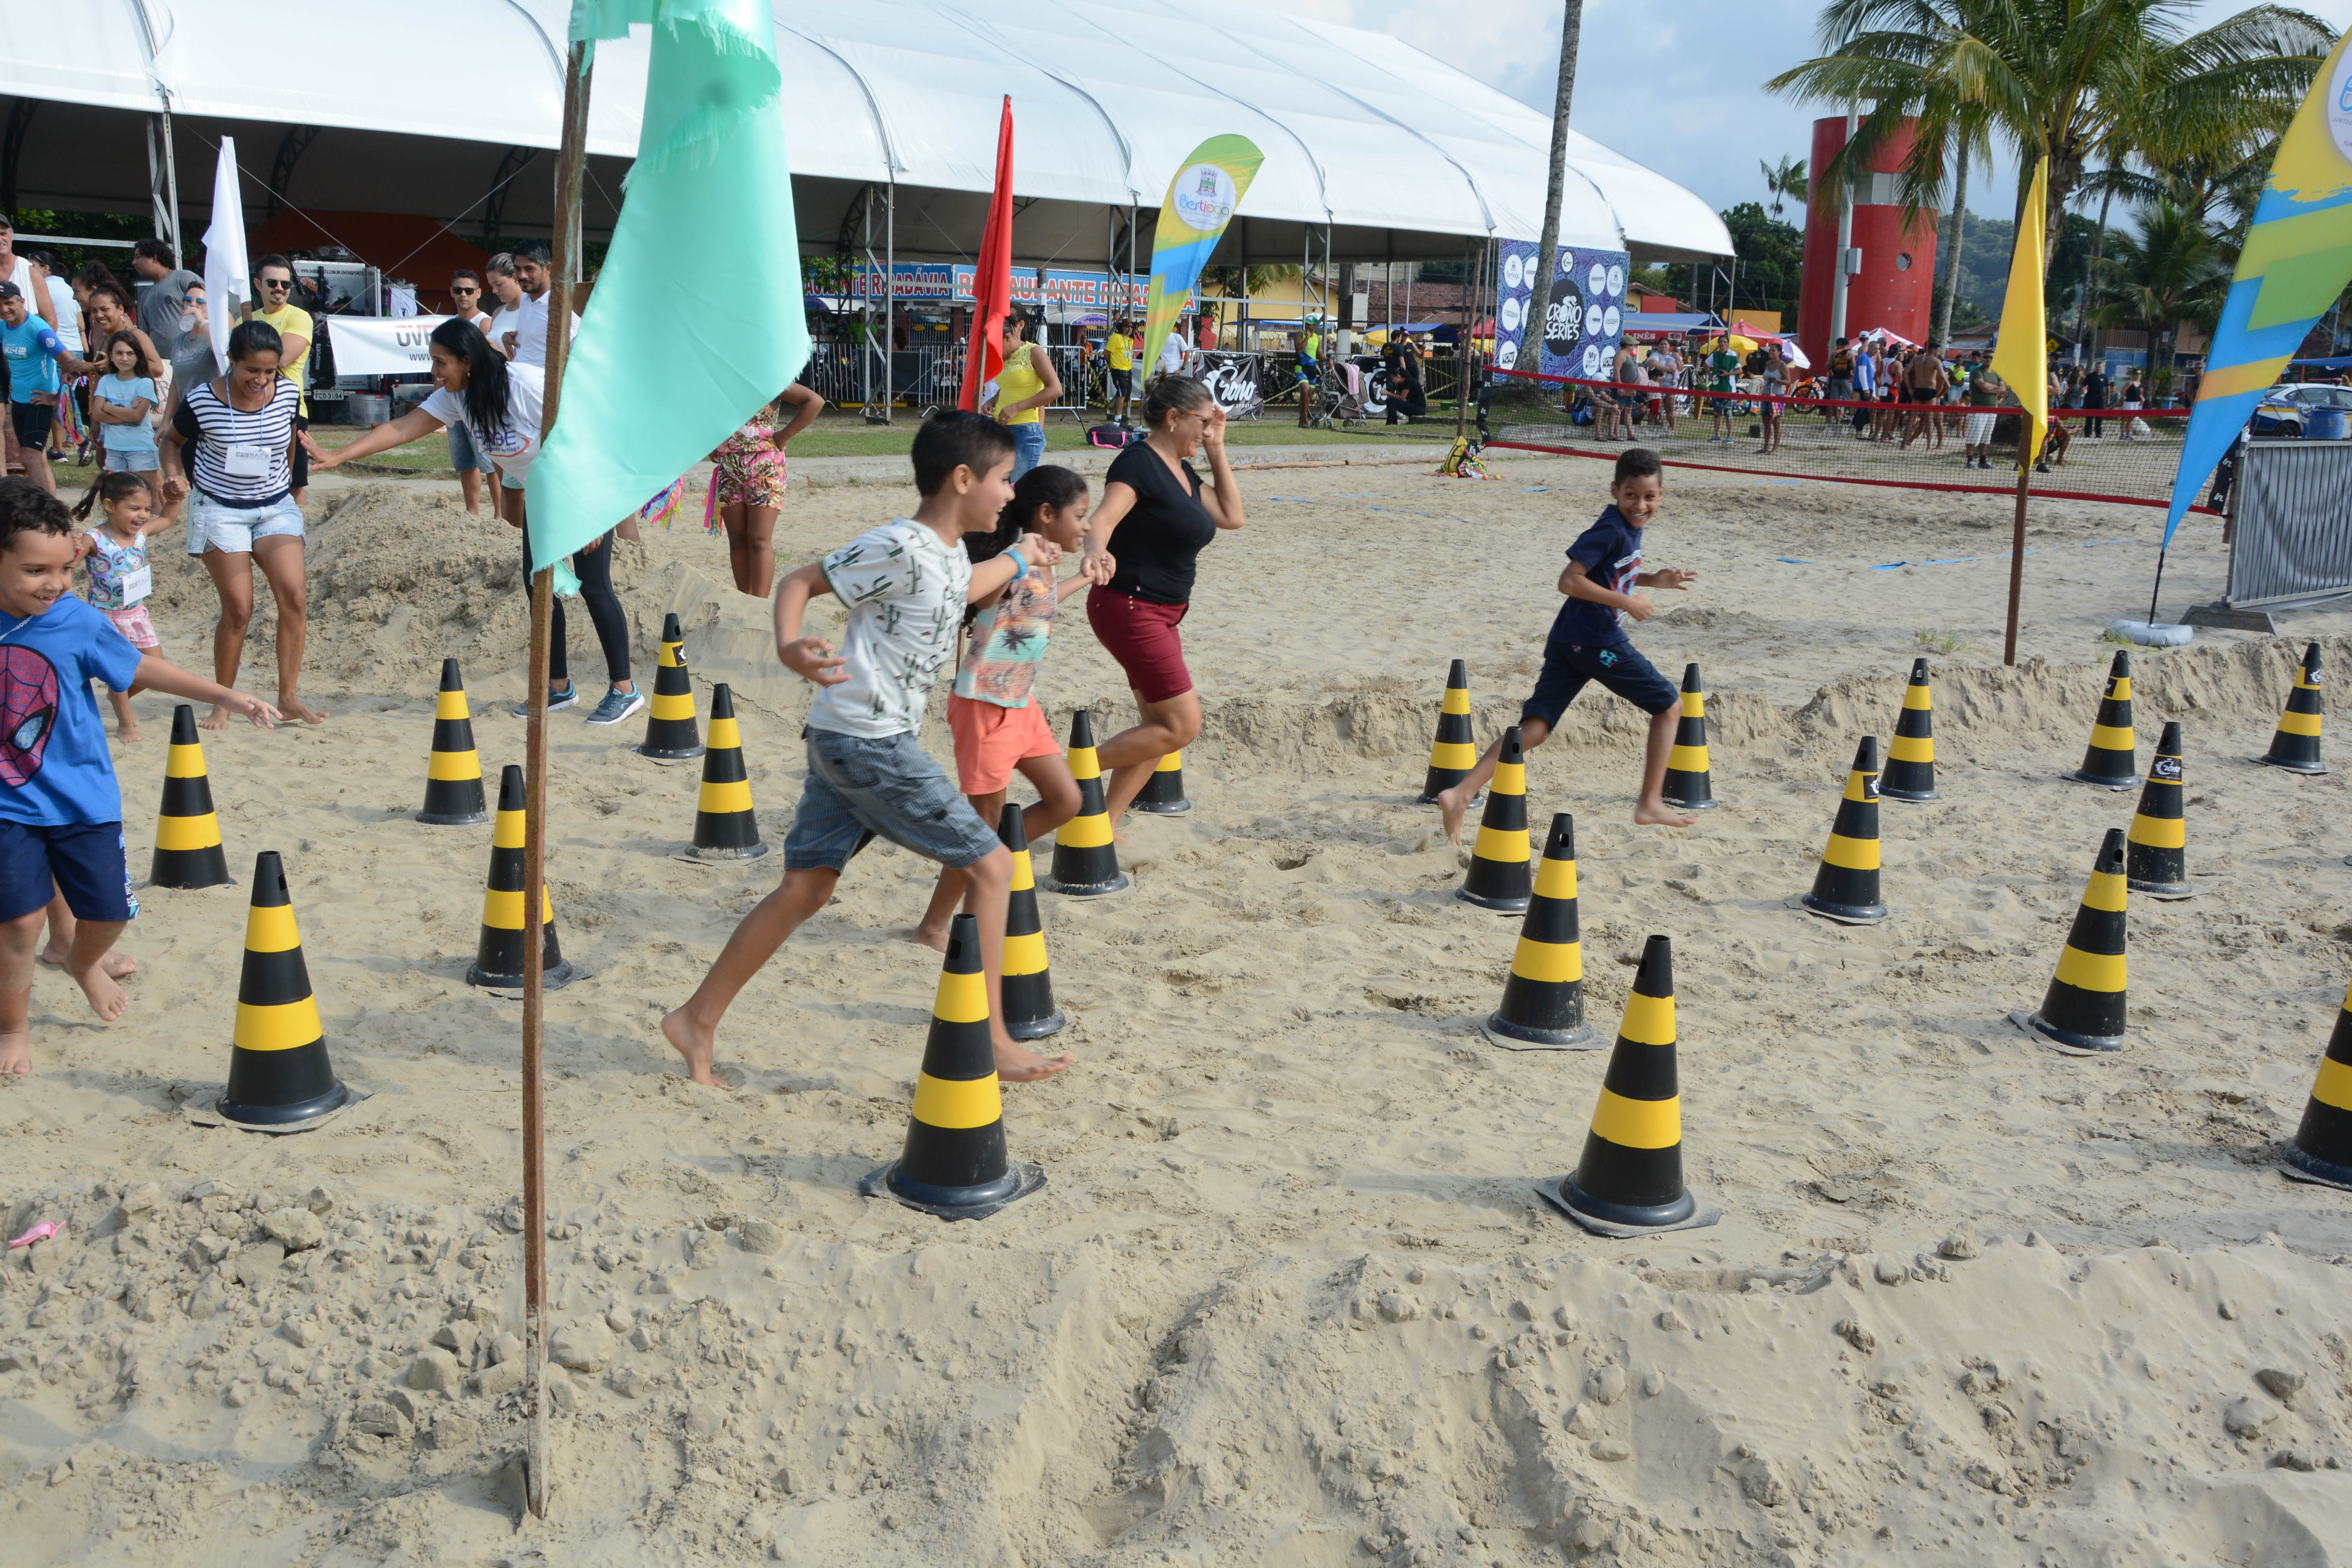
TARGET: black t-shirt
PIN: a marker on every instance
(1160, 540)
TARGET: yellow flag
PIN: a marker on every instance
(2020, 358)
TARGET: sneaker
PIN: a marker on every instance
(617, 705)
(556, 700)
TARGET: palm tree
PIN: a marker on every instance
(2074, 80)
(2173, 271)
(1784, 180)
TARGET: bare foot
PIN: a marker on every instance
(130, 737)
(936, 941)
(1016, 1064)
(16, 1053)
(1454, 804)
(107, 999)
(216, 719)
(1657, 814)
(697, 1045)
(296, 709)
(117, 966)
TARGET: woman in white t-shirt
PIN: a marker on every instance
(499, 404)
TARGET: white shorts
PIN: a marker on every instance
(233, 529)
(1980, 429)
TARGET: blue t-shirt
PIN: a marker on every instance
(54, 767)
(124, 391)
(1610, 553)
(28, 346)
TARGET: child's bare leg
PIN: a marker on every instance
(19, 939)
(126, 722)
(692, 1030)
(1454, 803)
(1057, 794)
(949, 892)
(991, 880)
(87, 964)
(58, 953)
(1652, 809)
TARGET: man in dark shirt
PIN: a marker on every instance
(2096, 387)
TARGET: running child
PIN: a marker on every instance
(999, 725)
(904, 585)
(115, 552)
(1588, 643)
(61, 815)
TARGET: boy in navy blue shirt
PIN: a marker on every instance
(60, 809)
(1588, 643)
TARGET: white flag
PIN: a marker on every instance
(227, 278)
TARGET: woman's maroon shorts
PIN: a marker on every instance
(1142, 635)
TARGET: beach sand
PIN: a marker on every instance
(1288, 1297)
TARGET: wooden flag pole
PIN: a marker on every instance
(571, 166)
(2017, 545)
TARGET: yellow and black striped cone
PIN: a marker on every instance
(1029, 1010)
(1845, 889)
(498, 957)
(671, 735)
(2321, 1150)
(1086, 862)
(1689, 783)
(2109, 759)
(1499, 876)
(954, 1164)
(1543, 1000)
(1630, 1180)
(724, 827)
(452, 779)
(2083, 1014)
(188, 852)
(1163, 793)
(278, 1072)
(2296, 746)
(1454, 752)
(1911, 754)
(2156, 859)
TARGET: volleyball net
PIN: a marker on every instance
(2092, 454)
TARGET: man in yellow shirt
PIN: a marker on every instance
(273, 280)
(1119, 351)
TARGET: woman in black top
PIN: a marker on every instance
(1163, 518)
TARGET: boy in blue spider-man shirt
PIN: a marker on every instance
(1588, 643)
(60, 808)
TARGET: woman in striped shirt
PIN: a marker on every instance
(238, 433)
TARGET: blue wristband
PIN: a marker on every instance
(1020, 566)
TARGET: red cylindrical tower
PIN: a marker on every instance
(1895, 288)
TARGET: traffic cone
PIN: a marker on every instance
(498, 957)
(1846, 887)
(2109, 760)
(2321, 1150)
(278, 1073)
(1029, 1010)
(188, 852)
(452, 779)
(954, 1164)
(724, 827)
(2083, 1014)
(1688, 784)
(2155, 860)
(1630, 1180)
(2296, 746)
(670, 732)
(1163, 792)
(1543, 1000)
(1911, 754)
(1454, 752)
(1086, 862)
(1498, 878)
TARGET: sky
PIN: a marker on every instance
(1677, 88)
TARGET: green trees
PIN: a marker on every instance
(2171, 272)
(1784, 181)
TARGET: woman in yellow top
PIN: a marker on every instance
(1025, 385)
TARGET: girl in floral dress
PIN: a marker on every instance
(747, 490)
(121, 580)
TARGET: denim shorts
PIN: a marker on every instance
(1028, 448)
(83, 860)
(233, 529)
(862, 787)
(143, 461)
(463, 455)
(1620, 667)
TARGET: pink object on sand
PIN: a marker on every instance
(41, 1232)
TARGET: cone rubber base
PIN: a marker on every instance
(2293, 767)
(435, 819)
(1501, 906)
(2298, 1166)
(1709, 803)
(1915, 796)
(554, 979)
(2079, 776)
(953, 1203)
(1163, 807)
(669, 755)
(2065, 1041)
(1620, 1220)
(1052, 1022)
(1519, 1037)
(1082, 889)
(748, 852)
(307, 1114)
(1845, 914)
(2171, 892)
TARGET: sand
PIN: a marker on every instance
(1288, 1297)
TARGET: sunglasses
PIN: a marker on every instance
(463, 289)
(276, 283)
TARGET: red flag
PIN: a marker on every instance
(992, 280)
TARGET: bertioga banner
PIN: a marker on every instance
(2296, 260)
(1201, 201)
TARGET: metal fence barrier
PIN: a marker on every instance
(2291, 538)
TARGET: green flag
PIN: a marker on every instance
(697, 319)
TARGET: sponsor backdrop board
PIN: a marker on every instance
(1586, 316)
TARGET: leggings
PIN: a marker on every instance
(594, 569)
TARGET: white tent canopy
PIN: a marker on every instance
(1379, 143)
